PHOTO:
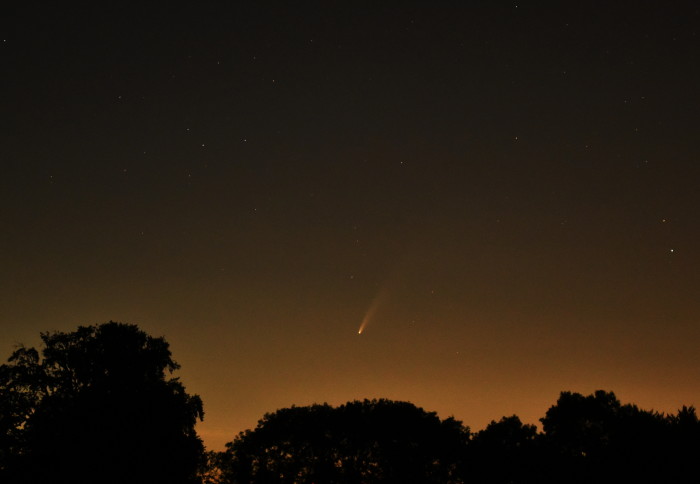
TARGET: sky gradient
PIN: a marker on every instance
(506, 193)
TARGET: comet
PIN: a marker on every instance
(369, 315)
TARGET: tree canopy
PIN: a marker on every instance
(97, 405)
(100, 405)
(359, 442)
(595, 438)
(585, 439)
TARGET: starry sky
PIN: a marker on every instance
(505, 195)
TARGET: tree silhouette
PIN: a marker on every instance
(504, 452)
(595, 438)
(96, 407)
(360, 442)
(682, 446)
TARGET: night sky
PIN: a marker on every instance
(507, 194)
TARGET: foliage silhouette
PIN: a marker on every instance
(96, 407)
(504, 452)
(595, 438)
(585, 439)
(368, 441)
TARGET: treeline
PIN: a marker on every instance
(585, 439)
(98, 405)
